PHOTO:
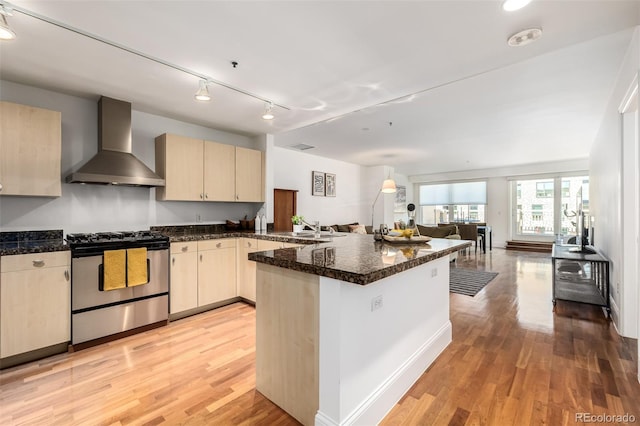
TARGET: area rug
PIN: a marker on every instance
(468, 281)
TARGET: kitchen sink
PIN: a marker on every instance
(311, 235)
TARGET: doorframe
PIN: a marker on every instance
(630, 222)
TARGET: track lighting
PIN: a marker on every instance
(6, 33)
(203, 91)
(268, 114)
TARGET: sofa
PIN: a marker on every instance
(450, 231)
(349, 227)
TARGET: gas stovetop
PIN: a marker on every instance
(100, 241)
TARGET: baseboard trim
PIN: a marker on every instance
(378, 404)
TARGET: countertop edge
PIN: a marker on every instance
(351, 277)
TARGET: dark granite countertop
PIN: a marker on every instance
(181, 233)
(358, 259)
(26, 242)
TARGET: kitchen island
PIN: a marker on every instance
(345, 327)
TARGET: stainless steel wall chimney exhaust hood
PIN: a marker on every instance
(114, 164)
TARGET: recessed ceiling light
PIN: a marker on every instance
(511, 5)
(525, 37)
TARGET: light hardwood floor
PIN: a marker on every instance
(512, 361)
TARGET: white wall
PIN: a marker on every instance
(498, 210)
(605, 197)
(92, 208)
(292, 170)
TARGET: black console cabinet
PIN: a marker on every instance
(580, 277)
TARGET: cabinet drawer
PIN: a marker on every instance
(217, 244)
(271, 245)
(184, 247)
(24, 262)
(249, 243)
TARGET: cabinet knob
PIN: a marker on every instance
(237, 197)
(201, 196)
(185, 248)
(219, 245)
(200, 258)
(206, 196)
(249, 244)
(0, 187)
(173, 261)
(66, 274)
(38, 263)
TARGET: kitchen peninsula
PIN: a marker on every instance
(345, 327)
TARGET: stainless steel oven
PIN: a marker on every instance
(97, 313)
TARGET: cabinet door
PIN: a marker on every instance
(35, 308)
(217, 273)
(179, 161)
(219, 172)
(249, 175)
(247, 269)
(184, 277)
(30, 150)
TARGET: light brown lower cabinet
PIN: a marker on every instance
(184, 277)
(35, 301)
(216, 270)
(210, 271)
(247, 269)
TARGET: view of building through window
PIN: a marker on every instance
(453, 213)
(536, 202)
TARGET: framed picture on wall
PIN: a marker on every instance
(330, 184)
(317, 183)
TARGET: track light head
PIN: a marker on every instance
(6, 33)
(268, 114)
(203, 92)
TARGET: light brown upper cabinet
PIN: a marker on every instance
(30, 151)
(199, 170)
(249, 175)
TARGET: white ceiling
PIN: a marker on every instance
(424, 86)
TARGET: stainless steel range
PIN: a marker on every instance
(99, 310)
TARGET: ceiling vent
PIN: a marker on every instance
(302, 147)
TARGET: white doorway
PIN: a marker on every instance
(630, 200)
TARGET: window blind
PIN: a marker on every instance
(453, 193)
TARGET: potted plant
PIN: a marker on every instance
(298, 226)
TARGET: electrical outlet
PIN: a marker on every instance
(434, 272)
(376, 303)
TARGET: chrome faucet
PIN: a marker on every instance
(316, 228)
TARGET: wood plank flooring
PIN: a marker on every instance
(512, 362)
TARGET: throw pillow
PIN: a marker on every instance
(357, 229)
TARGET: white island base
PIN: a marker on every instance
(330, 352)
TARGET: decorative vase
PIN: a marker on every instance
(298, 228)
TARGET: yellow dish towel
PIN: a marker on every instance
(137, 266)
(114, 267)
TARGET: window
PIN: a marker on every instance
(537, 212)
(544, 189)
(453, 202)
(546, 206)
